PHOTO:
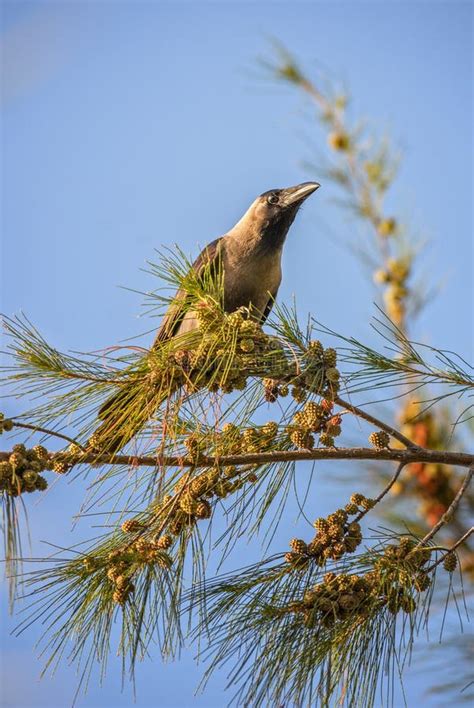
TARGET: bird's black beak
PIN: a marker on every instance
(296, 195)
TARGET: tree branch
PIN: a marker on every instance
(375, 421)
(46, 431)
(384, 491)
(460, 540)
(450, 510)
(417, 454)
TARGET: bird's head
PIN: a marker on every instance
(272, 213)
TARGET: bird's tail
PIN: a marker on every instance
(123, 415)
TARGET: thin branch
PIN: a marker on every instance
(450, 510)
(375, 421)
(384, 491)
(461, 540)
(38, 429)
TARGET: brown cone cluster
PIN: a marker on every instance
(5, 424)
(450, 562)
(121, 567)
(238, 345)
(230, 441)
(240, 348)
(124, 563)
(131, 526)
(191, 500)
(317, 373)
(379, 439)
(335, 536)
(21, 472)
(315, 418)
(397, 577)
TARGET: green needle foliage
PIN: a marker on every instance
(401, 362)
(317, 623)
(306, 635)
(174, 439)
(362, 166)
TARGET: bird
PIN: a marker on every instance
(249, 256)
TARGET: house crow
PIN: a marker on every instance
(250, 258)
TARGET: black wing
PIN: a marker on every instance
(176, 311)
(269, 305)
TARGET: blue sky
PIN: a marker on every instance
(127, 126)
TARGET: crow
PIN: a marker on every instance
(249, 256)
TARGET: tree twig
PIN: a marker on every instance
(46, 431)
(375, 421)
(450, 510)
(384, 491)
(460, 541)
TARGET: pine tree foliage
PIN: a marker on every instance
(219, 422)
(299, 627)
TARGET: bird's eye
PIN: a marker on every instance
(272, 199)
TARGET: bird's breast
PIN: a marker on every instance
(249, 280)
